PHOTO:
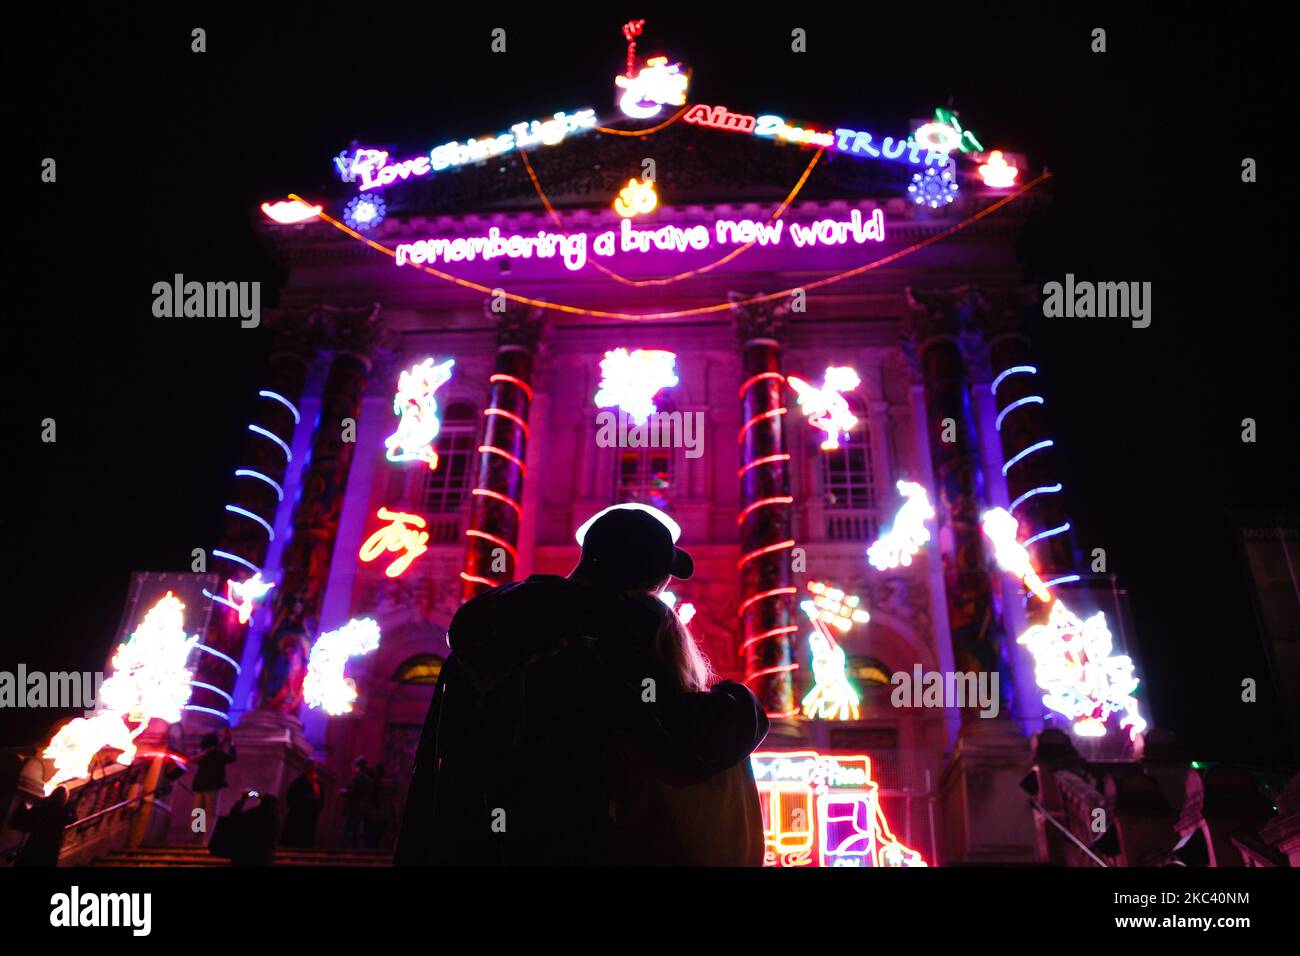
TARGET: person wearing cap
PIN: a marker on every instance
(551, 684)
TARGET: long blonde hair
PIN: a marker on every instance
(674, 646)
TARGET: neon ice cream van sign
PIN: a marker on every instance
(374, 169)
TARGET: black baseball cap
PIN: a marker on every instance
(633, 543)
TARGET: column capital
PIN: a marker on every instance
(517, 325)
(349, 328)
(758, 320)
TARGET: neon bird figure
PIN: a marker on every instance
(417, 405)
(241, 594)
(631, 380)
(1084, 682)
(825, 407)
(1000, 527)
(908, 532)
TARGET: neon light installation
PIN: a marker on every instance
(685, 610)
(933, 188)
(946, 134)
(417, 406)
(1000, 527)
(325, 687)
(241, 594)
(719, 117)
(832, 606)
(659, 84)
(908, 532)
(825, 407)
(832, 697)
(636, 199)
(631, 380)
(824, 810)
(76, 743)
(379, 172)
(997, 173)
(290, 211)
(1084, 682)
(403, 534)
(365, 212)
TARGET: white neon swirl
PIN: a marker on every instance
(217, 553)
(248, 514)
(1063, 579)
(275, 438)
(216, 653)
(249, 473)
(1025, 453)
(220, 600)
(208, 710)
(1013, 370)
(1027, 400)
(1040, 490)
(1047, 534)
(215, 690)
(267, 393)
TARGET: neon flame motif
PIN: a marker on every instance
(241, 594)
(325, 687)
(825, 407)
(636, 199)
(290, 211)
(685, 611)
(1084, 683)
(997, 173)
(78, 741)
(150, 677)
(395, 537)
(908, 532)
(1000, 527)
(832, 697)
(824, 810)
(659, 84)
(418, 408)
(631, 380)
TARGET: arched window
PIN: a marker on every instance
(848, 481)
(866, 670)
(446, 487)
(420, 669)
(646, 474)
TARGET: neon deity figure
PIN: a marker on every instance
(78, 741)
(997, 173)
(659, 84)
(824, 810)
(825, 407)
(832, 697)
(908, 532)
(417, 405)
(325, 687)
(630, 380)
(636, 199)
(241, 594)
(1000, 527)
(1084, 682)
(403, 534)
(290, 211)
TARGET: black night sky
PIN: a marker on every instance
(163, 156)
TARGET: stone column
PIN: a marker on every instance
(257, 489)
(767, 591)
(496, 506)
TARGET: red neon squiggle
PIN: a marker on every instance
(510, 415)
(487, 536)
(759, 552)
(763, 502)
(513, 380)
(475, 579)
(493, 450)
(778, 669)
(770, 413)
(767, 460)
(774, 632)
(745, 604)
(758, 378)
(489, 493)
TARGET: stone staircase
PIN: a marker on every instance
(192, 856)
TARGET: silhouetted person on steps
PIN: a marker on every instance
(44, 822)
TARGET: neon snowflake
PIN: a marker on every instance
(908, 532)
(1084, 681)
(825, 407)
(417, 405)
(325, 687)
(933, 188)
(631, 380)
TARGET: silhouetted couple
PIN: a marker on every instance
(574, 723)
